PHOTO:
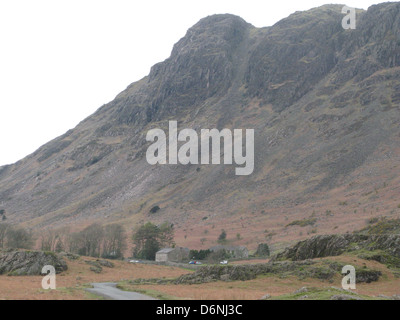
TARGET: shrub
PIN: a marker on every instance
(303, 223)
(373, 220)
(154, 209)
(217, 256)
(199, 254)
(222, 236)
(263, 250)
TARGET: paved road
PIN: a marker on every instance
(108, 290)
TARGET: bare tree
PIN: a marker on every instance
(59, 245)
(74, 242)
(91, 239)
(114, 242)
(3, 234)
(62, 239)
(48, 240)
(19, 238)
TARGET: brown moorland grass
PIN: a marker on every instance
(275, 286)
(237, 290)
(71, 284)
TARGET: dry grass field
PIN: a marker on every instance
(273, 285)
(72, 283)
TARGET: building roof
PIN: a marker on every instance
(166, 250)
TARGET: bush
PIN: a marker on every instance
(155, 209)
(373, 220)
(222, 236)
(199, 255)
(303, 223)
(217, 256)
(263, 250)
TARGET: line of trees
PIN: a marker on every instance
(94, 241)
(108, 241)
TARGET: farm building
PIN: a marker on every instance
(172, 254)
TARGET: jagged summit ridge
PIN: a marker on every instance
(200, 66)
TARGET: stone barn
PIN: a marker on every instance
(172, 254)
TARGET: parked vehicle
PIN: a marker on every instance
(224, 262)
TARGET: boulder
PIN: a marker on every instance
(97, 266)
(69, 255)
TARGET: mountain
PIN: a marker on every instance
(325, 106)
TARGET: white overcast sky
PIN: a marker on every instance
(60, 60)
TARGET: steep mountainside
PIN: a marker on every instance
(325, 106)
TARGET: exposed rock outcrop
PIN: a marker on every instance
(334, 245)
(21, 263)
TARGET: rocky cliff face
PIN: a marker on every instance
(324, 103)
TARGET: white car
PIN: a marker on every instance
(134, 261)
(224, 262)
